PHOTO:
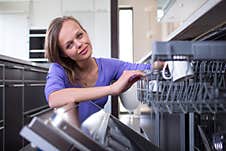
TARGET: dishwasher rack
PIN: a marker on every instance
(203, 92)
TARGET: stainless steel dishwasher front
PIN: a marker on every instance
(53, 131)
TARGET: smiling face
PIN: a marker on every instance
(74, 41)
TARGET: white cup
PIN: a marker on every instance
(154, 86)
(178, 70)
(129, 98)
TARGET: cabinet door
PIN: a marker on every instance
(35, 74)
(13, 115)
(1, 101)
(34, 103)
(2, 67)
(72, 5)
(1, 90)
(1, 116)
(102, 5)
(14, 72)
(34, 97)
(1, 135)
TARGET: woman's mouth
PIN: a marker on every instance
(84, 51)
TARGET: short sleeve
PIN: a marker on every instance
(55, 79)
(120, 66)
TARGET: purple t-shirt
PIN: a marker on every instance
(108, 70)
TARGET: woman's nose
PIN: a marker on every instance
(78, 44)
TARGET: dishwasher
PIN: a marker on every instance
(196, 99)
(56, 130)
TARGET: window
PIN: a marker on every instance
(126, 34)
(125, 38)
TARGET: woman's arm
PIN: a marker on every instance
(70, 95)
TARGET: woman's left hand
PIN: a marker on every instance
(127, 79)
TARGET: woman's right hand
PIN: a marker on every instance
(126, 80)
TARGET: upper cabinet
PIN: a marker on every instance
(42, 12)
(77, 5)
(177, 10)
(18, 18)
(102, 5)
(186, 19)
(12, 6)
(86, 5)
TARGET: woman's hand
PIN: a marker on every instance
(127, 79)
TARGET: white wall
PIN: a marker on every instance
(37, 14)
(94, 15)
(14, 29)
(146, 27)
(42, 12)
(13, 41)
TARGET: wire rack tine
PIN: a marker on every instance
(199, 93)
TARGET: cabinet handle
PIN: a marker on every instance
(40, 112)
(1, 86)
(18, 85)
(37, 84)
(16, 67)
(1, 128)
(38, 70)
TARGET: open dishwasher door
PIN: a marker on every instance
(56, 130)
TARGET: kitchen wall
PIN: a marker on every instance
(17, 17)
(146, 27)
(14, 28)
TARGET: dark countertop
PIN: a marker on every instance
(24, 62)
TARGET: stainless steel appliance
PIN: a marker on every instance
(201, 97)
(58, 130)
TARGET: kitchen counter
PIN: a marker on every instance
(24, 62)
(22, 84)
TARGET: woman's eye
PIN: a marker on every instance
(79, 35)
(69, 46)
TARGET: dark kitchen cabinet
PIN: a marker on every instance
(1, 135)
(1, 100)
(13, 72)
(2, 68)
(21, 97)
(13, 115)
(13, 106)
(34, 74)
(34, 103)
(33, 100)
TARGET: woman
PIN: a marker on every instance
(77, 77)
